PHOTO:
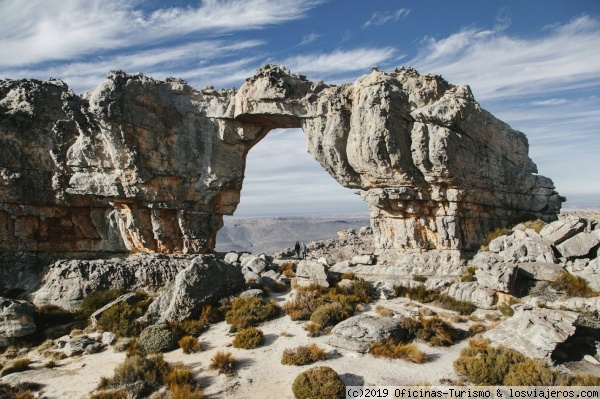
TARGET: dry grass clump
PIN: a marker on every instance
(178, 374)
(224, 362)
(8, 391)
(433, 330)
(330, 314)
(497, 232)
(303, 355)
(391, 350)
(248, 338)
(347, 276)
(478, 328)
(246, 312)
(186, 391)
(486, 365)
(110, 394)
(15, 366)
(189, 344)
(573, 286)
(288, 269)
(506, 307)
(383, 311)
(188, 327)
(419, 278)
(535, 225)
(468, 275)
(314, 330)
(319, 382)
(137, 375)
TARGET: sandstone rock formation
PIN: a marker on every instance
(16, 320)
(139, 165)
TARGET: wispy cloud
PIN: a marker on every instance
(311, 37)
(383, 17)
(45, 30)
(550, 101)
(500, 66)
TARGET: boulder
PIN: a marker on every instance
(157, 338)
(587, 269)
(358, 332)
(310, 272)
(497, 276)
(255, 292)
(363, 260)
(78, 345)
(577, 246)
(108, 338)
(16, 319)
(540, 271)
(562, 229)
(250, 277)
(205, 281)
(472, 292)
(232, 257)
(533, 331)
(255, 264)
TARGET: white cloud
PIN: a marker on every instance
(383, 17)
(550, 101)
(499, 66)
(311, 37)
(44, 30)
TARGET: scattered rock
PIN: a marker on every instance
(310, 272)
(156, 339)
(256, 265)
(358, 332)
(205, 281)
(108, 338)
(78, 345)
(231, 257)
(562, 229)
(578, 245)
(533, 331)
(498, 276)
(252, 293)
(16, 319)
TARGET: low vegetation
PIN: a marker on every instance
(537, 225)
(506, 307)
(8, 391)
(421, 294)
(331, 313)
(110, 394)
(468, 274)
(247, 312)
(15, 366)
(319, 382)
(248, 338)
(573, 286)
(189, 344)
(224, 362)
(433, 330)
(383, 311)
(497, 232)
(288, 269)
(303, 355)
(121, 320)
(97, 299)
(391, 350)
(418, 278)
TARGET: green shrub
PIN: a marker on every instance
(8, 391)
(224, 362)
(189, 344)
(303, 355)
(391, 350)
(49, 316)
(573, 286)
(437, 332)
(418, 278)
(121, 320)
(248, 338)
(487, 365)
(468, 275)
(506, 307)
(137, 375)
(330, 314)
(157, 338)
(497, 232)
(319, 382)
(462, 307)
(531, 372)
(97, 299)
(15, 366)
(246, 312)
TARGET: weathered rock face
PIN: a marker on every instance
(16, 319)
(138, 165)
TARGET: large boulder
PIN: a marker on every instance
(358, 332)
(310, 272)
(472, 292)
(205, 281)
(563, 229)
(540, 271)
(497, 276)
(16, 319)
(587, 269)
(157, 338)
(534, 331)
(579, 245)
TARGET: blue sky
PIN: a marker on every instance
(533, 64)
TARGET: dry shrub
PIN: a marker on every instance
(137, 375)
(535, 225)
(478, 328)
(178, 374)
(189, 344)
(419, 278)
(437, 332)
(288, 269)
(50, 364)
(121, 320)
(303, 355)
(8, 391)
(188, 327)
(110, 394)
(246, 312)
(462, 307)
(330, 314)
(497, 232)
(224, 362)
(488, 365)
(584, 380)
(531, 372)
(15, 366)
(573, 286)
(383, 311)
(209, 315)
(362, 289)
(314, 329)
(389, 349)
(248, 338)
(468, 275)
(285, 334)
(479, 342)
(347, 276)
(319, 382)
(186, 391)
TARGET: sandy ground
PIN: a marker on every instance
(260, 373)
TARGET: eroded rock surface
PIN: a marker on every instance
(140, 165)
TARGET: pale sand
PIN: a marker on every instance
(260, 373)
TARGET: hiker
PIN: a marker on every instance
(303, 249)
(297, 249)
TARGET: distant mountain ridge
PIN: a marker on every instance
(268, 235)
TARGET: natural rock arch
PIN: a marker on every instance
(139, 165)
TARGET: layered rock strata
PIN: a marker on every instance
(139, 165)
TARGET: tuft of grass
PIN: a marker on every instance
(188, 327)
(303, 355)
(468, 275)
(531, 372)
(478, 328)
(8, 391)
(15, 366)
(506, 307)
(246, 312)
(497, 232)
(110, 394)
(573, 286)
(186, 391)
(178, 374)
(383, 311)
(535, 225)
(331, 314)
(419, 278)
(224, 362)
(189, 344)
(319, 382)
(391, 350)
(288, 269)
(437, 332)
(347, 276)
(314, 329)
(50, 364)
(248, 338)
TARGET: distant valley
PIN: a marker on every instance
(267, 235)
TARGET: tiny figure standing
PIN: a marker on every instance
(303, 249)
(297, 249)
